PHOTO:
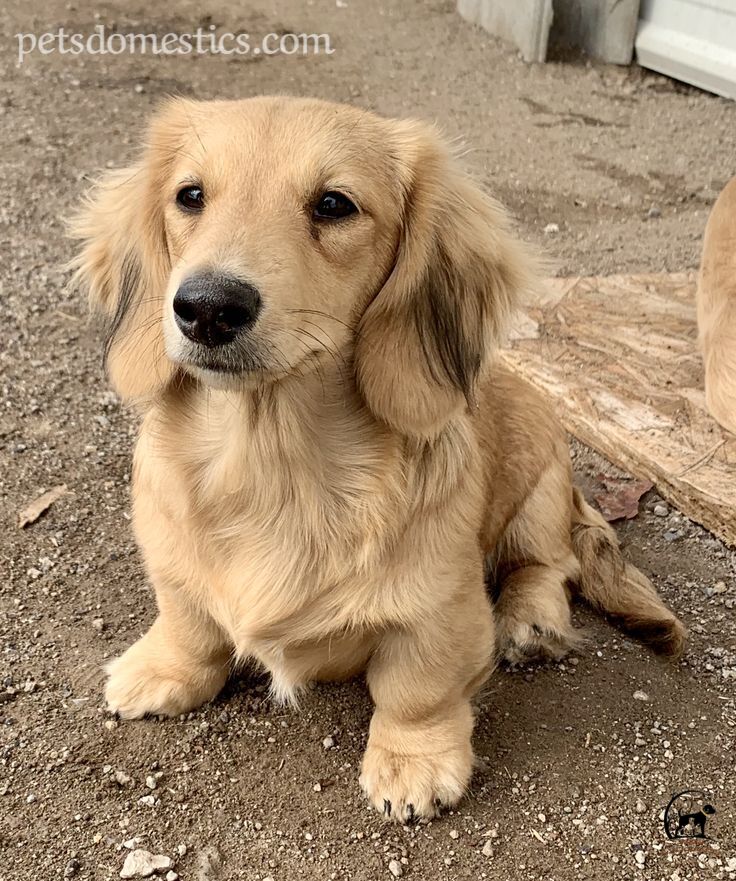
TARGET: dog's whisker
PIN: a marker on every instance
(139, 354)
(335, 348)
(311, 357)
(334, 355)
(324, 315)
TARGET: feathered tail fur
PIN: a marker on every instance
(615, 587)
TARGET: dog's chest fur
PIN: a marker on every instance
(279, 516)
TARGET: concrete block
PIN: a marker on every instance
(526, 23)
(604, 29)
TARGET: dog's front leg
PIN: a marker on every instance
(419, 756)
(179, 664)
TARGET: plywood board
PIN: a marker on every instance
(619, 357)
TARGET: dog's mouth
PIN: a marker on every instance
(222, 362)
(231, 364)
(246, 359)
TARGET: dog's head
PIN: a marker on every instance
(254, 238)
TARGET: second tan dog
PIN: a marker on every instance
(305, 300)
(717, 308)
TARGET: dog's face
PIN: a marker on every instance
(281, 221)
(256, 238)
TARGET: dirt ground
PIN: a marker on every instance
(574, 771)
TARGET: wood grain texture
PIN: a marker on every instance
(619, 357)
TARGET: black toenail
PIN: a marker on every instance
(410, 815)
(387, 807)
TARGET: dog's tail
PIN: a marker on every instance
(617, 588)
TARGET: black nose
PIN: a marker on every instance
(212, 309)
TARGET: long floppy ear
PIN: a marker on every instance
(433, 328)
(124, 263)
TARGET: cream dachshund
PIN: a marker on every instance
(305, 302)
(717, 308)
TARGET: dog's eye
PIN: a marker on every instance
(190, 198)
(333, 206)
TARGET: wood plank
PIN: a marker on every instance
(619, 357)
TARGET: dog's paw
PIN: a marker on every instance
(518, 642)
(411, 788)
(142, 682)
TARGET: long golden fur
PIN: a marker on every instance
(325, 496)
(717, 308)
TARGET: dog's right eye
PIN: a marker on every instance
(333, 206)
(190, 198)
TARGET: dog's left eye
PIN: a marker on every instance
(190, 198)
(333, 206)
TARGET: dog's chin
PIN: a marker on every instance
(225, 380)
(230, 370)
(227, 377)
(226, 368)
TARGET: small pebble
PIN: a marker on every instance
(329, 742)
(143, 864)
(396, 868)
(487, 849)
(641, 696)
(551, 229)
